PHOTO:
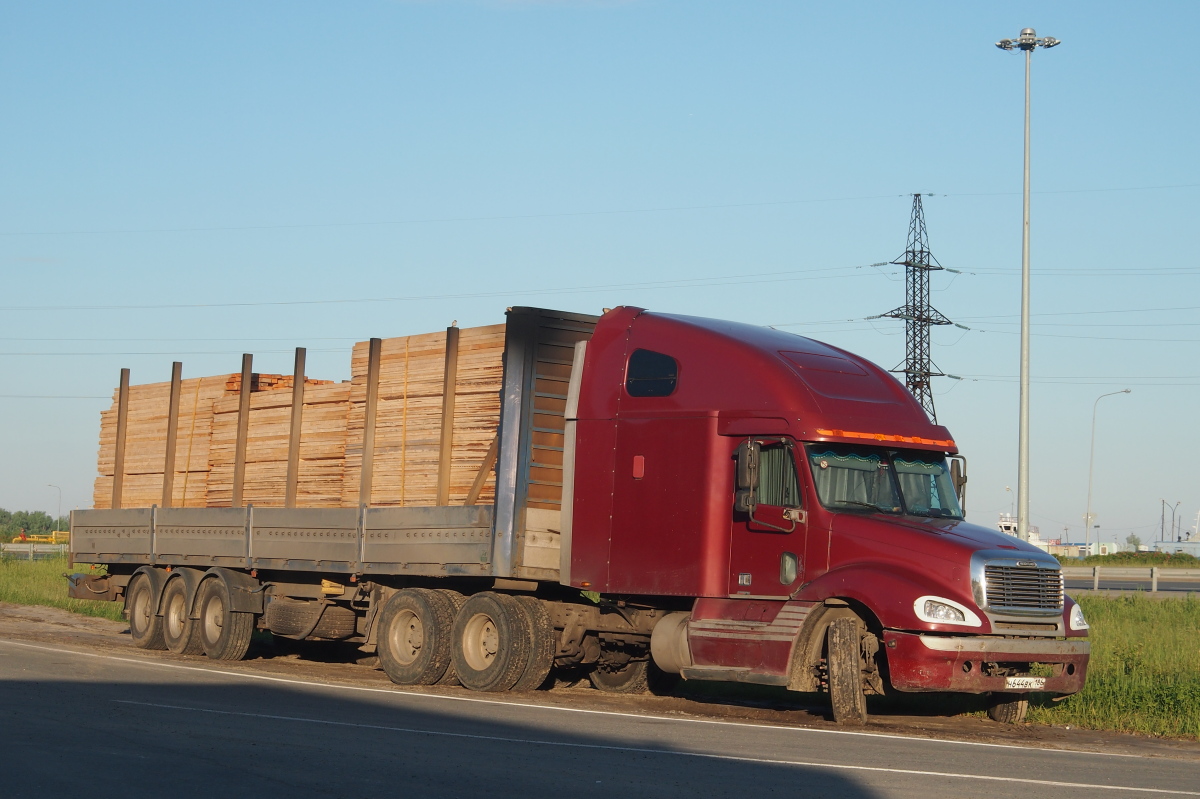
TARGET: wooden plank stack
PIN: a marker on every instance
(407, 437)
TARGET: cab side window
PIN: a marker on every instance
(651, 374)
(777, 483)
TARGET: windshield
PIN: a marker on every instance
(883, 481)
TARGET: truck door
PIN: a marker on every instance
(767, 541)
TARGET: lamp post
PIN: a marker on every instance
(1087, 517)
(59, 516)
(1173, 508)
(1028, 42)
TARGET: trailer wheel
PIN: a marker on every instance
(1008, 708)
(456, 601)
(491, 642)
(180, 633)
(542, 643)
(145, 626)
(844, 661)
(224, 633)
(414, 636)
(631, 678)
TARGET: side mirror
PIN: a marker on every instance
(958, 476)
(747, 477)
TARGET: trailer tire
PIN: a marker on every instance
(542, 644)
(224, 633)
(1008, 708)
(844, 661)
(180, 632)
(414, 636)
(631, 678)
(491, 642)
(145, 625)
(456, 601)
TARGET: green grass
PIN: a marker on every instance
(1166, 560)
(40, 582)
(1144, 674)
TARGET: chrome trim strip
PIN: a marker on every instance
(1005, 646)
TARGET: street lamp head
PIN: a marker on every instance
(1028, 40)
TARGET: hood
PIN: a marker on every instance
(939, 537)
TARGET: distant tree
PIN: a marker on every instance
(32, 522)
(1133, 541)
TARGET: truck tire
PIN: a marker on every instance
(491, 642)
(224, 634)
(145, 625)
(414, 636)
(180, 633)
(542, 643)
(631, 678)
(288, 618)
(456, 601)
(844, 662)
(1007, 708)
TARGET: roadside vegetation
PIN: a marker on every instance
(41, 582)
(1144, 675)
(34, 522)
(1168, 560)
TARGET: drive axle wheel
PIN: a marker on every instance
(843, 643)
(491, 642)
(414, 636)
(633, 677)
(180, 633)
(224, 633)
(145, 625)
(1007, 708)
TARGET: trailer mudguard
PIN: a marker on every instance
(245, 592)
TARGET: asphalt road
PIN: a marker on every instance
(1182, 586)
(79, 721)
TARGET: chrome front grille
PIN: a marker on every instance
(1022, 589)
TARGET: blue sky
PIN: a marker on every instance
(739, 160)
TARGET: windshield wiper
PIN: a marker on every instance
(871, 505)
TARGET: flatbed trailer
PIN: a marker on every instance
(673, 496)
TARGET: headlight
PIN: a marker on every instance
(939, 610)
(1078, 622)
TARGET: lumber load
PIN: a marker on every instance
(408, 443)
(322, 447)
(408, 422)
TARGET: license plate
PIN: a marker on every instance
(1028, 683)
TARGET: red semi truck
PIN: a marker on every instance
(733, 503)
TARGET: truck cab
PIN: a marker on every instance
(788, 487)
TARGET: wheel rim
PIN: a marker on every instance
(176, 616)
(481, 641)
(407, 637)
(214, 617)
(139, 614)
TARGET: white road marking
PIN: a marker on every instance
(399, 693)
(650, 751)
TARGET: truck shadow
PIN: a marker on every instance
(197, 735)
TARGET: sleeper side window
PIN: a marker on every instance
(651, 374)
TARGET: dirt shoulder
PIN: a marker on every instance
(343, 665)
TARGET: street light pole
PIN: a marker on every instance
(1087, 517)
(1173, 508)
(1028, 42)
(59, 516)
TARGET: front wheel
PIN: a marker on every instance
(844, 660)
(632, 677)
(1008, 708)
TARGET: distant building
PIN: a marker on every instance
(1008, 526)
(1173, 547)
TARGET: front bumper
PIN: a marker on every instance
(979, 664)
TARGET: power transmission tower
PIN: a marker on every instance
(917, 313)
